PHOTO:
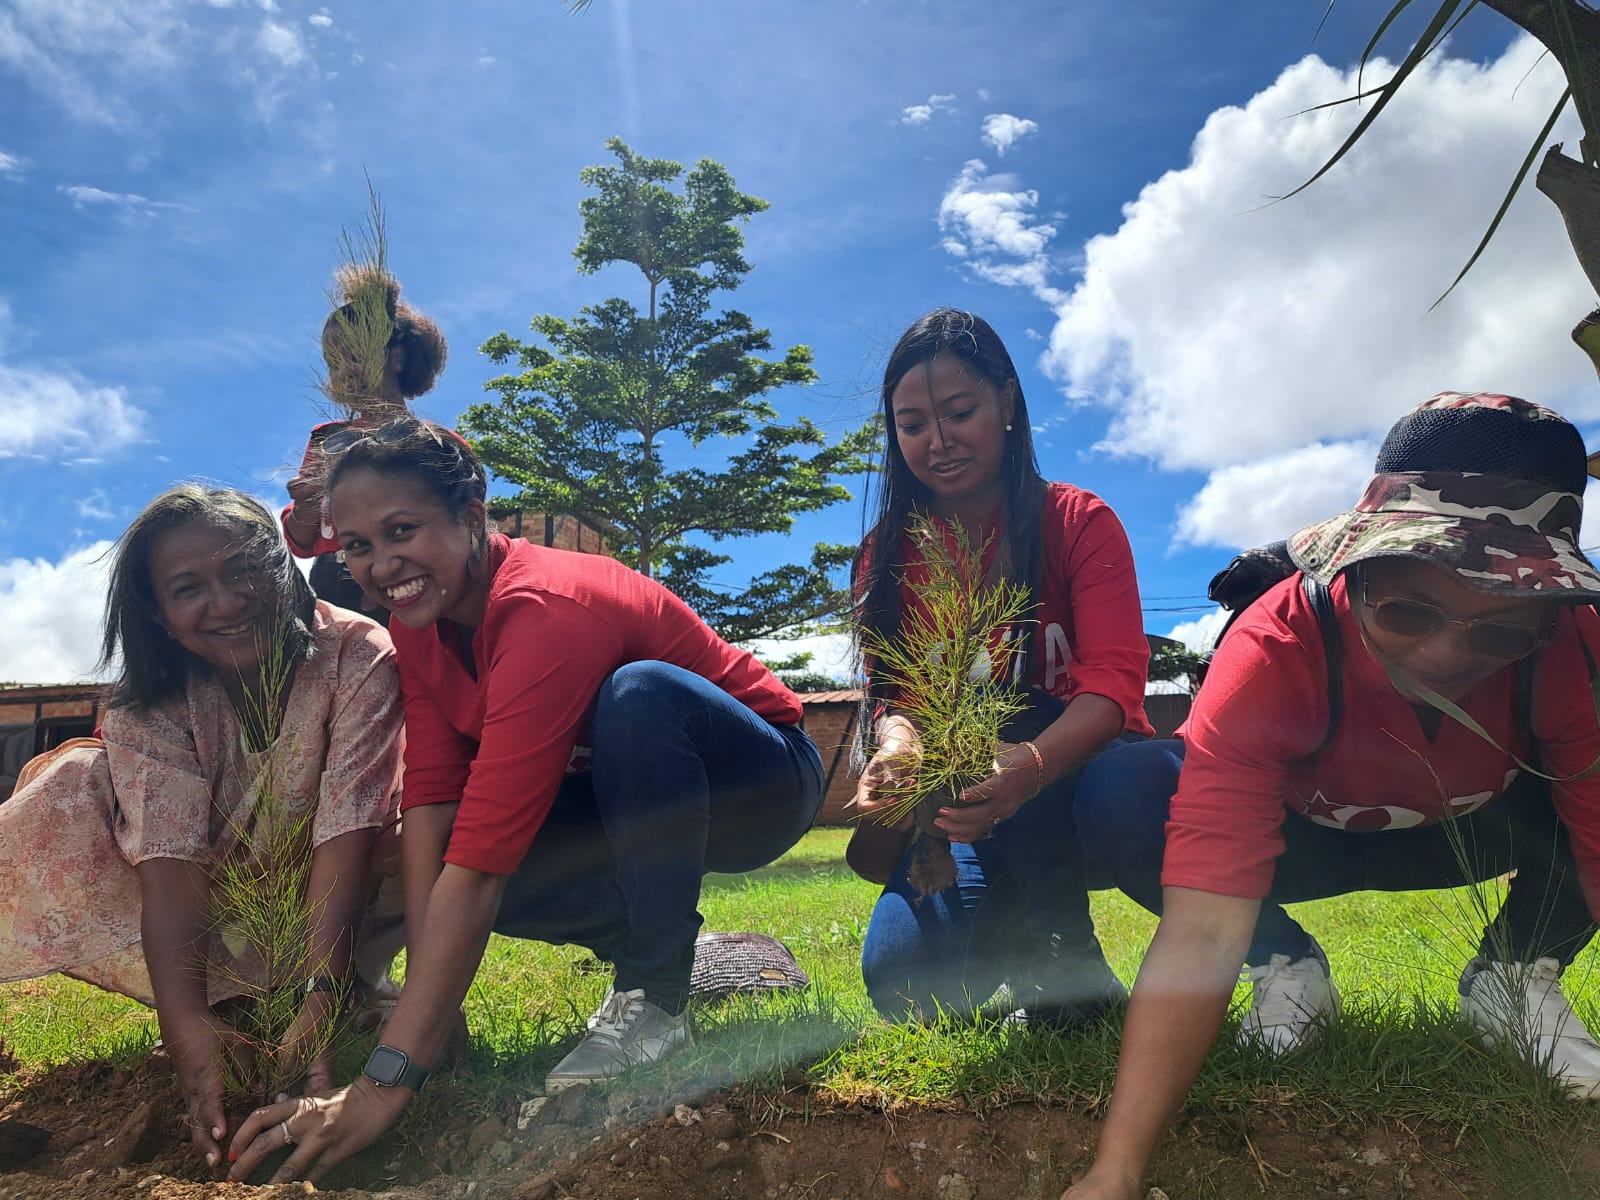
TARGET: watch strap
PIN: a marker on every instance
(388, 1066)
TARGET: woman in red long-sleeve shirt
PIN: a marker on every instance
(580, 750)
(959, 449)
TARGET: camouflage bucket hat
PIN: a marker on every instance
(1487, 486)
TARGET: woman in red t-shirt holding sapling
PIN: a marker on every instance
(372, 372)
(1458, 594)
(580, 750)
(960, 450)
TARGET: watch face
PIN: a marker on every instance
(386, 1065)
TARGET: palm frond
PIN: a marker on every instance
(1424, 45)
(1516, 186)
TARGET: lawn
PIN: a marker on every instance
(1397, 1053)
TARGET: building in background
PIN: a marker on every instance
(35, 717)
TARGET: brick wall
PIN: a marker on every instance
(564, 531)
(831, 726)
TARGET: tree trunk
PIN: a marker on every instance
(1575, 189)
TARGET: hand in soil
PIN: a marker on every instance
(204, 1051)
(324, 1130)
(1104, 1185)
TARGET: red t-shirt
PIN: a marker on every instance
(1264, 709)
(556, 624)
(1090, 633)
(327, 541)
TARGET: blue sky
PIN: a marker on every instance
(174, 175)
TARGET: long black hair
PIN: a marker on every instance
(151, 666)
(878, 567)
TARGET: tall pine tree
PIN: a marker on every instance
(588, 422)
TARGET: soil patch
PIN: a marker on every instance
(117, 1132)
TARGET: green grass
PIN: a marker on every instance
(1397, 1052)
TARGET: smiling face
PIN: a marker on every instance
(950, 425)
(1444, 660)
(212, 598)
(406, 550)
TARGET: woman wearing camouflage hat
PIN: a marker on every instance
(1444, 732)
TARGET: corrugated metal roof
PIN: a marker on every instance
(845, 696)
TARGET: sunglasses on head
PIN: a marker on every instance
(1409, 618)
(350, 436)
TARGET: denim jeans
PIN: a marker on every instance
(683, 780)
(1019, 894)
(1124, 795)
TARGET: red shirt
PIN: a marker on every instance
(1090, 633)
(555, 625)
(1264, 709)
(327, 540)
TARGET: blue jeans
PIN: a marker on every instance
(1124, 795)
(684, 779)
(1019, 907)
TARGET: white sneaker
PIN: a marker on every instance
(626, 1031)
(1521, 1005)
(1289, 1003)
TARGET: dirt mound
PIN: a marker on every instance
(117, 1132)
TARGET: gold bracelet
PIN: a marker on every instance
(1038, 761)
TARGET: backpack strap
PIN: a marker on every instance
(1321, 601)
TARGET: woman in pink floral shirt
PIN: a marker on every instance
(110, 845)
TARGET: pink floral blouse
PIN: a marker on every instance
(178, 782)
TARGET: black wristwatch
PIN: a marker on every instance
(388, 1067)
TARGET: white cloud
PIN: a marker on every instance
(83, 196)
(53, 613)
(1224, 332)
(11, 165)
(1222, 335)
(989, 222)
(831, 653)
(95, 506)
(74, 49)
(921, 114)
(59, 414)
(1202, 632)
(487, 60)
(93, 56)
(281, 43)
(321, 19)
(1002, 130)
(1249, 504)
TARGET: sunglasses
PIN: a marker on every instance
(351, 436)
(1415, 619)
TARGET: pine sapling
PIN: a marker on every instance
(948, 670)
(262, 910)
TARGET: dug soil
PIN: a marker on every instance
(116, 1132)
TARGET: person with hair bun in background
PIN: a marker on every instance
(581, 749)
(380, 352)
